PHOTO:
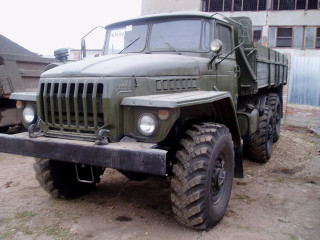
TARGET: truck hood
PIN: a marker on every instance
(126, 65)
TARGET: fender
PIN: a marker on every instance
(196, 100)
(24, 96)
(219, 99)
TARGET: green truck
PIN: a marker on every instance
(180, 95)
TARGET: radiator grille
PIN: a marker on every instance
(176, 84)
(72, 106)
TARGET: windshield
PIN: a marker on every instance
(175, 35)
(130, 38)
(182, 35)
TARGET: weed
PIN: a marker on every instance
(6, 234)
(247, 228)
(24, 229)
(57, 232)
(244, 197)
(25, 215)
(293, 237)
(15, 229)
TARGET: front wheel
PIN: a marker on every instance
(202, 183)
(59, 178)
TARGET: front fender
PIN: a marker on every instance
(175, 100)
(178, 103)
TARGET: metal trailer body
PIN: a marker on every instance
(20, 71)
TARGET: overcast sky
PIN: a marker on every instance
(42, 26)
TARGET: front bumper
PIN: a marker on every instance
(126, 156)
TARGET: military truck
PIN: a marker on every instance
(178, 95)
(20, 71)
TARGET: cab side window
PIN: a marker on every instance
(224, 34)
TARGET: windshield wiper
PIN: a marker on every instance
(129, 45)
(170, 46)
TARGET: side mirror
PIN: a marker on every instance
(83, 48)
(216, 46)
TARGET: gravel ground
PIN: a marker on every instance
(276, 200)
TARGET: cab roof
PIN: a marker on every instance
(171, 16)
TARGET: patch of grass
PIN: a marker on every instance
(25, 215)
(280, 180)
(6, 234)
(24, 229)
(293, 237)
(247, 228)
(57, 232)
(244, 197)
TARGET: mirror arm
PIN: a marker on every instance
(214, 58)
(217, 64)
(91, 31)
(83, 43)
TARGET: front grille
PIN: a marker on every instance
(176, 84)
(72, 106)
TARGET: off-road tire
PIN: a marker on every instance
(259, 147)
(59, 178)
(273, 102)
(206, 154)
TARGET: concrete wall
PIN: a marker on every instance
(265, 19)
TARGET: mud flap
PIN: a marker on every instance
(238, 162)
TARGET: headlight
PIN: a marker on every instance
(28, 114)
(147, 124)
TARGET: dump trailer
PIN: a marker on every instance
(20, 71)
(178, 95)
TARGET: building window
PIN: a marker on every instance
(233, 5)
(257, 5)
(310, 37)
(295, 37)
(313, 4)
(294, 4)
(284, 37)
(256, 34)
(318, 38)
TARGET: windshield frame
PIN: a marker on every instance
(149, 24)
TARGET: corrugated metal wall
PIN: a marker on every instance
(304, 82)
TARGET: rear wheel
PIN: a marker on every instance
(275, 105)
(259, 147)
(59, 178)
(203, 177)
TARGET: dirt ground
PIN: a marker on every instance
(276, 200)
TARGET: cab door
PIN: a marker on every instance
(226, 69)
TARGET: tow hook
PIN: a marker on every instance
(31, 130)
(101, 140)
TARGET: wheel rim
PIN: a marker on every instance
(218, 180)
